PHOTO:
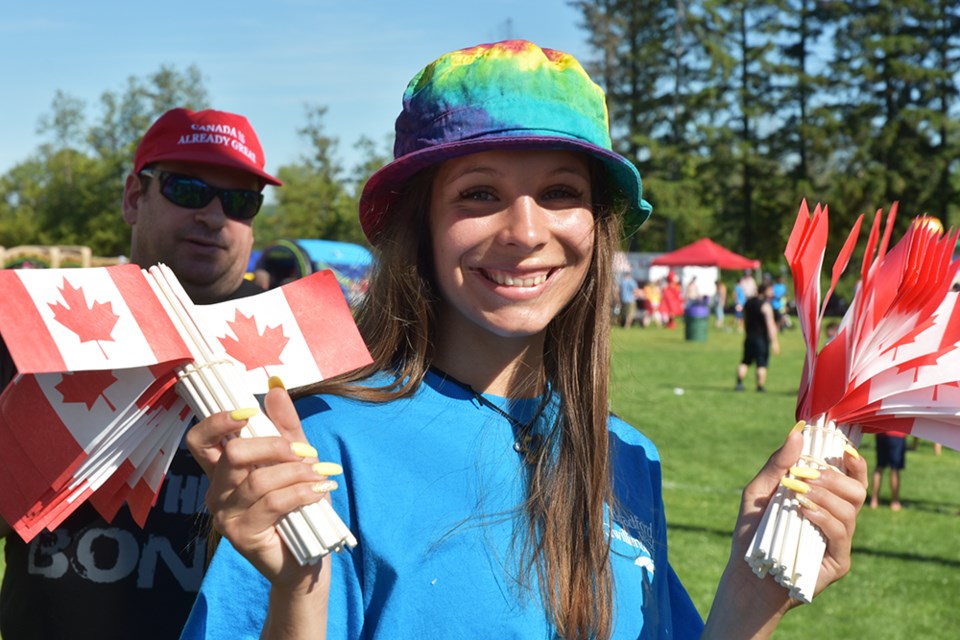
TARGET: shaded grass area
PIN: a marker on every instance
(906, 565)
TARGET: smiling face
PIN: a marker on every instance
(206, 250)
(513, 237)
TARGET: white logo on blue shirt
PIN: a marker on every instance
(624, 544)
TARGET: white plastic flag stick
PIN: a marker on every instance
(310, 532)
(797, 547)
(201, 393)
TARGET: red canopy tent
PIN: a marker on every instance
(705, 253)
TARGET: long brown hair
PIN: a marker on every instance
(562, 540)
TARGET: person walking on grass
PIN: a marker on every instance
(760, 337)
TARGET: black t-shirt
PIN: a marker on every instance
(99, 580)
(754, 322)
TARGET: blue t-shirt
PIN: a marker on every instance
(628, 289)
(779, 295)
(431, 489)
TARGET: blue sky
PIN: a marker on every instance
(264, 59)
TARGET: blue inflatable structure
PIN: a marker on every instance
(288, 260)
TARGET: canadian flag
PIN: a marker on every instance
(282, 333)
(893, 366)
(56, 320)
(894, 363)
(64, 434)
(94, 412)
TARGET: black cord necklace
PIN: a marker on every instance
(527, 442)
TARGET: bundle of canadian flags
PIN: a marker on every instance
(115, 362)
(894, 365)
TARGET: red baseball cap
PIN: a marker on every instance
(205, 137)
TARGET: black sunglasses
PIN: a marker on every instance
(193, 193)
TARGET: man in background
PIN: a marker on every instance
(760, 337)
(190, 201)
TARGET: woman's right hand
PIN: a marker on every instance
(254, 482)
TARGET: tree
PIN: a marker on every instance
(18, 222)
(319, 198)
(65, 124)
(654, 96)
(126, 116)
(69, 191)
(884, 83)
(314, 202)
(943, 25)
(802, 141)
(739, 41)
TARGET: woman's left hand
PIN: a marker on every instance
(255, 481)
(833, 502)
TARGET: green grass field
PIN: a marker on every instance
(906, 567)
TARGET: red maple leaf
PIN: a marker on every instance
(93, 323)
(86, 387)
(251, 347)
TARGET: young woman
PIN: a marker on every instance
(492, 492)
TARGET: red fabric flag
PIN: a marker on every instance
(56, 320)
(894, 363)
(301, 332)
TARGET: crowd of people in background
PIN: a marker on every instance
(652, 302)
(662, 301)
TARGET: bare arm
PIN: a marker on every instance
(772, 332)
(300, 614)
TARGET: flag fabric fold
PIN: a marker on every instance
(100, 406)
(894, 365)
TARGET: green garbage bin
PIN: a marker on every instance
(696, 317)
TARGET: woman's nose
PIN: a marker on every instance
(525, 223)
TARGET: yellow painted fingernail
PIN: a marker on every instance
(244, 414)
(325, 487)
(853, 452)
(807, 503)
(808, 473)
(796, 485)
(327, 469)
(303, 450)
(275, 383)
(799, 426)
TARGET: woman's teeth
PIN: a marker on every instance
(514, 281)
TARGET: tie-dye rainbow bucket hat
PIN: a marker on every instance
(506, 95)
